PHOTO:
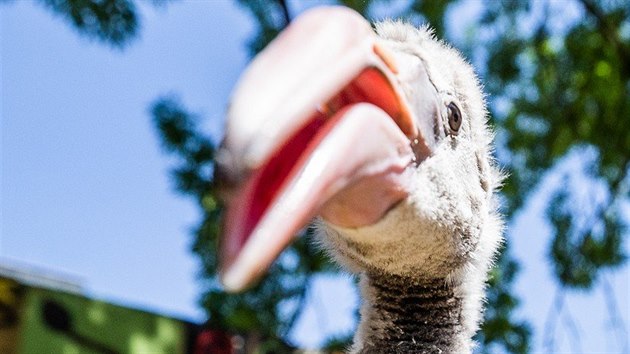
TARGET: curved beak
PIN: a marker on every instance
(316, 113)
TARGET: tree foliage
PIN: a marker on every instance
(556, 91)
(567, 92)
(112, 22)
(558, 78)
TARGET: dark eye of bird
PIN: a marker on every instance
(454, 117)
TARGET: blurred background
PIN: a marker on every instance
(110, 113)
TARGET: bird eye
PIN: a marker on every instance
(454, 117)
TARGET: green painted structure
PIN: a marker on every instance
(55, 318)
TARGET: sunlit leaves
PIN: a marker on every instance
(572, 90)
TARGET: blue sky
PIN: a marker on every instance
(85, 187)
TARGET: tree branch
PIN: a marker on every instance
(285, 12)
(616, 321)
(575, 342)
(301, 302)
(550, 324)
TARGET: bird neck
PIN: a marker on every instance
(400, 315)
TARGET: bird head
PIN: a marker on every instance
(381, 135)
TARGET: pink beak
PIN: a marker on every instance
(316, 122)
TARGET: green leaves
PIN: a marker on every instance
(499, 327)
(112, 21)
(586, 240)
(558, 85)
(568, 88)
(555, 91)
(271, 17)
(181, 136)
